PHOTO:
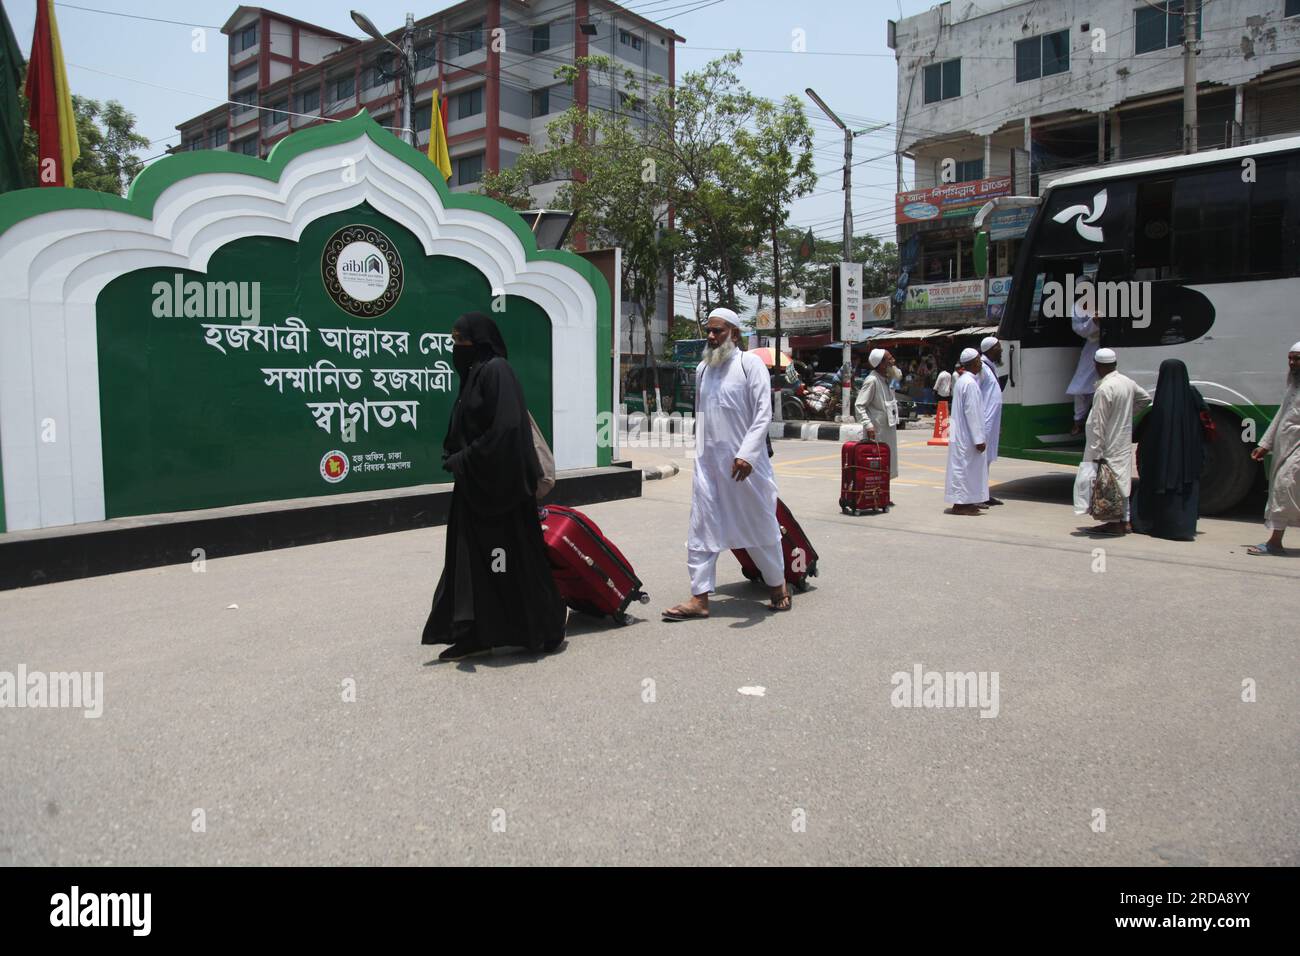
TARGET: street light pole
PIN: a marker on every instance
(1190, 19)
(407, 53)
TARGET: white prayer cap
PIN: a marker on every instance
(726, 315)
(988, 342)
(1105, 357)
(876, 357)
(1295, 348)
(968, 356)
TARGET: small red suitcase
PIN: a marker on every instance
(800, 555)
(864, 476)
(591, 574)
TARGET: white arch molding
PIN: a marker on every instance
(54, 266)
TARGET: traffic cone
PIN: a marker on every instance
(941, 425)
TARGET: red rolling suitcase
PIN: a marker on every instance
(591, 574)
(800, 555)
(864, 476)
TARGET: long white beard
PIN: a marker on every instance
(1293, 378)
(716, 356)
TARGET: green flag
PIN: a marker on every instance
(806, 247)
(11, 113)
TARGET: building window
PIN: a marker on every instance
(245, 38)
(469, 103)
(469, 38)
(423, 117)
(342, 87)
(425, 56)
(1155, 29)
(1292, 8)
(1044, 55)
(969, 170)
(629, 103)
(220, 136)
(247, 146)
(469, 169)
(244, 77)
(629, 39)
(309, 101)
(541, 102)
(244, 101)
(372, 75)
(942, 81)
(276, 112)
(541, 37)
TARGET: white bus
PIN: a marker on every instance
(1214, 241)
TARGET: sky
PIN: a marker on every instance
(152, 68)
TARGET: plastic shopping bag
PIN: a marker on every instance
(1083, 487)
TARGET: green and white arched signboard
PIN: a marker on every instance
(239, 330)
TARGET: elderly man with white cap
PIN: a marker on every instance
(1282, 440)
(1108, 434)
(991, 397)
(733, 492)
(877, 408)
(966, 484)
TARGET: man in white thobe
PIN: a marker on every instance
(733, 491)
(966, 485)
(877, 408)
(1081, 387)
(1109, 431)
(1282, 440)
(991, 398)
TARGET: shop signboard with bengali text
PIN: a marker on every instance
(932, 296)
(950, 200)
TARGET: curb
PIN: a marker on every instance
(654, 472)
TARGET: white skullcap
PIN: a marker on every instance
(876, 357)
(726, 315)
(1105, 357)
(988, 342)
(968, 356)
(1296, 347)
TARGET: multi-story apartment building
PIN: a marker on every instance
(1005, 99)
(286, 74)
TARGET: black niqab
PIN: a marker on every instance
(1172, 451)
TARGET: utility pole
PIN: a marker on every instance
(776, 321)
(846, 371)
(1191, 17)
(408, 55)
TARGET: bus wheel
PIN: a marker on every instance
(1229, 470)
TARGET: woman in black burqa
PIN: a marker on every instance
(496, 587)
(1171, 454)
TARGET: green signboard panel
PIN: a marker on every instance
(280, 392)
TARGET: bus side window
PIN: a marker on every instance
(1210, 230)
(1266, 254)
(1152, 258)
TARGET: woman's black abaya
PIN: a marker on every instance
(1171, 455)
(496, 587)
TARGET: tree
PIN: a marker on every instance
(108, 141)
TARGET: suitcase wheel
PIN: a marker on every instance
(621, 619)
(844, 510)
(643, 598)
(802, 584)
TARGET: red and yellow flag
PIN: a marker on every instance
(51, 114)
(438, 138)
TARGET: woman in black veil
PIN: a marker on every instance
(496, 587)
(1171, 454)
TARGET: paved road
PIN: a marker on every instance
(1119, 691)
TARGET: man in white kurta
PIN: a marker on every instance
(966, 485)
(733, 492)
(1109, 431)
(991, 398)
(1084, 383)
(877, 408)
(1282, 441)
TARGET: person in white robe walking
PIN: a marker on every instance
(877, 406)
(1282, 441)
(966, 483)
(1109, 431)
(991, 397)
(733, 491)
